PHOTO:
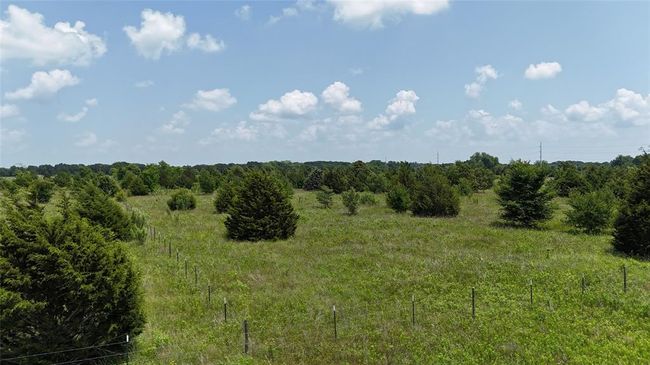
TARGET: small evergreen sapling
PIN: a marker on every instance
(351, 200)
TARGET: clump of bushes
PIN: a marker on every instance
(224, 197)
(433, 196)
(314, 180)
(367, 198)
(524, 199)
(261, 209)
(351, 200)
(398, 199)
(591, 212)
(632, 226)
(182, 199)
(324, 196)
(41, 191)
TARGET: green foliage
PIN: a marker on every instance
(224, 197)
(314, 180)
(433, 196)
(367, 198)
(207, 182)
(101, 210)
(335, 178)
(24, 178)
(182, 199)
(8, 185)
(108, 185)
(568, 179)
(63, 285)
(632, 226)
(134, 184)
(358, 175)
(261, 210)
(41, 190)
(398, 199)
(591, 212)
(485, 160)
(377, 182)
(138, 230)
(324, 196)
(465, 187)
(63, 179)
(350, 200)
(524, 199)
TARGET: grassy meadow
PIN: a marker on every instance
(371, 266)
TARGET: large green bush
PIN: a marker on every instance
(432, 195)
(63, 286)
(224, 197)
(591, 212)
(524, 199)
(261, 210)
(632, 226)
(398, 199)
(182, 199)
(100, 209)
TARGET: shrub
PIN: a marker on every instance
(314, 180)
(433, 195)
(335, 178)
(224, 198)
(465, 187)
(24, 178)
(182, 199)
(41, 190)
(398, 199)
(591, 212)
(138, 230)
(524, 199)
(261, 210)
(351, 200)
(108, 185)
(134, 184)
(324, 196)
(367, 198)
(63, 285)
(101, 210)
(632, 226)
(207, 182)
(568, 179)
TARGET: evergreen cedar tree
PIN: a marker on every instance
(324, 196)
(261, 210)
(398, 199)
(100, 209)
(351, 200)
(182, 199)
(591, 212)
(632, 226)
(433, 196)
(314, 180)
(524, 199)
(224, 197)
(63, 286)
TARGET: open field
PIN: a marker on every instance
(370, 266)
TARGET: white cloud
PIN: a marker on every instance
(312, 132)
(86, 140)
(177, 124)
(206, 44)
(585, 112)
(544, 70)
(372, 14)
(92, 102)
(483, 74)
(243, 131)
(73, 118)
(244, 12)
(144, 83)
(8, 111)
(44, 85)
(627, 107)
(515, 104)
(212, 100)
(402, 104)
(23, 35)
(158, 33)
(291, 105)
(337, 95)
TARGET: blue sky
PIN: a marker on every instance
(207, 82)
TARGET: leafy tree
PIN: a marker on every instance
(351, 200)
(134, 184)
(465, 187)
(224, 197)
(358, 176)
(24, 178)
(591, 212)
(167, 175)
(261, 211)
(632, 226)
(62, 179)
(108, 185)
(433, 195)
(568, 179)
(207, 182)
(524, 199)
(182, 199)
(398, 199)
(484, 160)
(41, 190)
(314, 180)
(186, 178)
(101, 210)
(406, 176)
(150, 177)
(324, 196)
(377, 182)
(336, 180)
(63, 285)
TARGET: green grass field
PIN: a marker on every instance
(370, 266)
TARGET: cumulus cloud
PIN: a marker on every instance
(8, 111)
(402, 104)
(165, 33)
(44, 85)
(23, 35)
(515, 104)
(177, 124)
(243, 131)
(244, 12)
(87, 139)
(92, 102)
(544, 70)
(291, 105)
(627, 107)
(73, 118)
(337, 95)
(373, 14)
(212, 100)
(483, 74)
